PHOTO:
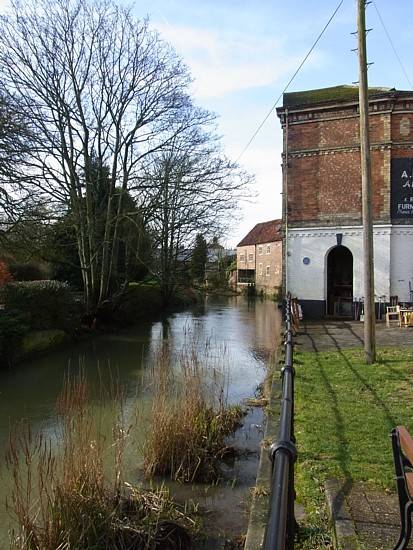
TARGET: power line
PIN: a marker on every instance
(290, 81)
(392, 45)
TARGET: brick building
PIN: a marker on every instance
(322, 196)
(259, 257)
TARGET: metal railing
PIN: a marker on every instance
(281, 524)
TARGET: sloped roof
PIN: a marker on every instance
(335, 93)
(266, 232)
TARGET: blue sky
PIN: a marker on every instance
(243, 52)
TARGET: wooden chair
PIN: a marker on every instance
(402, 443)
(393, 315)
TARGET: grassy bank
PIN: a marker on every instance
(28, 329)
(344, 413)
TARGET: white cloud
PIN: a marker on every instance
(265, 163)
(228, 61)
(4, 5)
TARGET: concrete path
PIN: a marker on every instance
(363, 517)
(329, 335)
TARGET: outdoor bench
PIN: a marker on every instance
(402, 443)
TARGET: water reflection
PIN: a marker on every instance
(246, 330)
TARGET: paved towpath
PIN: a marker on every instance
(364, 518)
(329, 335)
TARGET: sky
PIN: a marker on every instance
(242, 53)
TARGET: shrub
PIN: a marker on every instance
(5, 275)
(26, 272)
(47, 304)
(13, 327)
(140, 300)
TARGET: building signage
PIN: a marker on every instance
(402, 188)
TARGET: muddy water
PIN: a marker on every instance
(247, 331)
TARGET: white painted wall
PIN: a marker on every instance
(309, 282)
(401, 261)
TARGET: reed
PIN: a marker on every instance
(190, 418)
(65, 496)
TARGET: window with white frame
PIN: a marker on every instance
(267, 271)
(250, 257)
(259, 269)
(242, 258)
(260, 250)
(268, 249)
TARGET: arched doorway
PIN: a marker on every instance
(339, 281)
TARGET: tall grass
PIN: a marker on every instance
(65, 496)
(190, 417)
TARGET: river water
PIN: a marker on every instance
(245, 331)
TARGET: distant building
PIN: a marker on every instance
(216, 252)
(259, 257)
(218, 260)
(322, 222)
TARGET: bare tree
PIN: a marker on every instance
(97, 87)
(14, 144)
(191, 188)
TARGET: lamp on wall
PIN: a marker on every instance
(339, 237)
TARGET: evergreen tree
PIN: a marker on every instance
(199, 258)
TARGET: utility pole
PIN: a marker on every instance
(285, 205)
(369, 307)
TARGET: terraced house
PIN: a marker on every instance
(259, 258)
(322, 217)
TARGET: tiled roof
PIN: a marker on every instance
(266, 232)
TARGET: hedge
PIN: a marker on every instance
(45, 304)
(25, 272)
(13, 327)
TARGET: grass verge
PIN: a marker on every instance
(345, 410)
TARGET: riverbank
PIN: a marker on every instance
(144, 300)
(244, 329)
(140, 301)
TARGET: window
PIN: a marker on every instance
(267, 271)
(259, 269)
(268, 249)
(250, 257)
(242, 258)
(260, 250)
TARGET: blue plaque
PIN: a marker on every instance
(306, 261)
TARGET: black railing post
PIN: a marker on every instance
(281, 522)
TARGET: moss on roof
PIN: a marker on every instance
(334, 93)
